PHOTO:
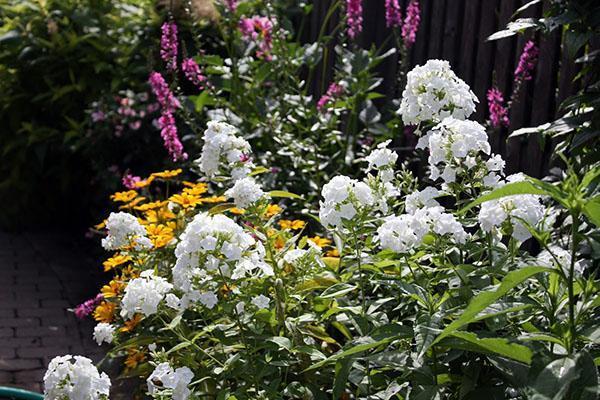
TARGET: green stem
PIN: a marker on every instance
(570, 281)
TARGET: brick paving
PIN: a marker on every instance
(41, 275)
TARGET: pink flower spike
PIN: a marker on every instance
(393, 15)
(498, 111)
(334, 91)
(87, 307)
(166, 122)
(168, 45)
(354, 18)
(193, 73)
(411, 23)
(527, 62)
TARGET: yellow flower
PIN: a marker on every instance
(115, 261)
(272, 209)
(319, 241)
(159, 234)
(333, 253)
(158, 216)
(101, 225)
(236, 211)
(133, 203)
(112, 289)
(150, 206)
(279, 241)
(185, 200)
(145, 182)
(166, 174)
(130, 325)
(214, 199)
(293, 225)
(134, 357)
(129, 273)
(124, 197)
(197, 189)
(105, 312)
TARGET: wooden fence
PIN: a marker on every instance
(456, 30)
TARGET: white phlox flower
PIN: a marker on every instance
(434, 92)
(143, 294)
(224, 152)
(125, 230)
(75, 378)
(104, 333)
(529, 208)
(164, 379)
(245, 192)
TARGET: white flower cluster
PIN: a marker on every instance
(383, 160)
(245, 192)
(125, 230)
(214, 245)
(78, 380)
(104, 332)
(559, 258)
(512, 208)
(165, 379)
(224, 152)
(455, 147)
(143, 294)
(434, 92)
(420, 199)
(342, 198)
(402, 233)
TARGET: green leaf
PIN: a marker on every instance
(485, 299)
(350, 352)
(202, 100)
(592, 210)
(511, 189)
(342, 371)
(503, 347)
(259, 170)
(221, 208)
(178, 347)
(284, 194)
(281, 341)
(337, 290)
(555, 379)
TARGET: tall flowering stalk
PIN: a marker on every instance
(166, 122)
(393, 15)
(193, 73)
(334, 91)
(86, 308)
(354, 18)
(411, 23)
(168, 45)
(525, 67)
(527, 62)
(498, 111)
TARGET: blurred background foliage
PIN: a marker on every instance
(56, 57)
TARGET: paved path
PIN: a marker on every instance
(41, 275)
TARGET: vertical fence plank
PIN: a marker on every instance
(453, 31)
(485, 54)
(543, 100)
(521, 109)
(503, 71)
(468, 41)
